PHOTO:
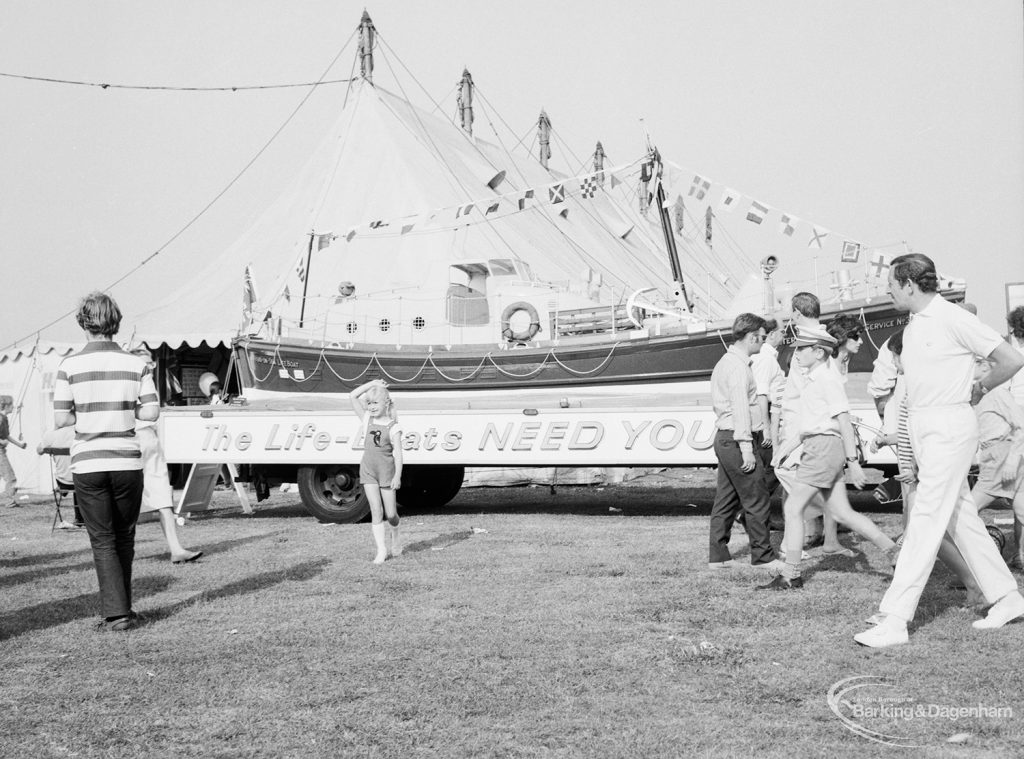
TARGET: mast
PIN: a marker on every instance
(666, 228)
(643, 190)
(465, 101)
(544, 136)
(367, 37)
(305, 279)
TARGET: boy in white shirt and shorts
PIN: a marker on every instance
(829, 446)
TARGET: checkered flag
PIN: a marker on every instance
(588, 187)
(851, 252)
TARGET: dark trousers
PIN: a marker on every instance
(765, 455)
(110, 503)
(738, 491)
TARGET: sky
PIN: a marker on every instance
(887, 121)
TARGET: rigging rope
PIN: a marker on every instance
(171, 88)
(578, 248)
(209, 205)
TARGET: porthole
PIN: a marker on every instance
(419, 323)
(384, 325)
(351, 328)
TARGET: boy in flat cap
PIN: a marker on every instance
(829, 447)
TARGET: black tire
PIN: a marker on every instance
(332, 493)
(428, 486)
(997, 536)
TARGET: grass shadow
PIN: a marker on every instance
(284, 511)
(64, 610)
(210, 549)
(837, 562)
(588, 500)
(48, 558)
(253, 584)
(10, 580)
(438, 541)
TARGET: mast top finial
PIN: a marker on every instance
(367, 35)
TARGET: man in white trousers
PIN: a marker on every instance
(939, 348)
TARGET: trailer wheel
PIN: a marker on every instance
(332, 493)
(429, 486)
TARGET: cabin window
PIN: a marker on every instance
(502, 267)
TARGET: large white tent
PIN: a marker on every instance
(388, 163)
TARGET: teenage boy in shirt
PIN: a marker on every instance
(806, 314)
(741, 484)
(829, 446)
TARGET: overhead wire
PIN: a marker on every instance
(171, 88)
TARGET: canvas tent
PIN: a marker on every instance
(389, 163)
(27, 375)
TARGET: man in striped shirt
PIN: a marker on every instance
(100, 391)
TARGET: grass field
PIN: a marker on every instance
(517, 623)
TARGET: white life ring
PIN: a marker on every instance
(524, 335)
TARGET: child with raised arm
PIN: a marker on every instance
(380, 471)
(6, 470)
(829, 446)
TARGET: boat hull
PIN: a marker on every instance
(621, 360)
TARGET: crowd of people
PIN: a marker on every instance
(948, 388)
(950, 391)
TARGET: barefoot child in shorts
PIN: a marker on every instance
(829, 446)
(380, 471)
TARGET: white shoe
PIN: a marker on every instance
(883, 636)
(1006, 609)
(875, 619)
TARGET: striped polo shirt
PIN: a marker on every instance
(102, 385)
